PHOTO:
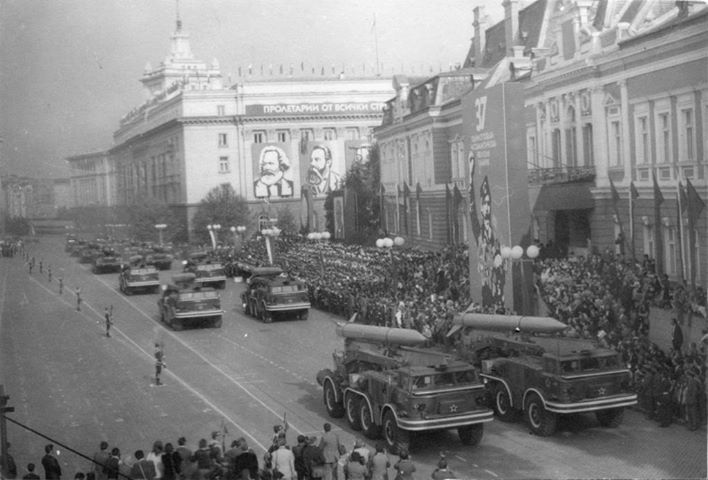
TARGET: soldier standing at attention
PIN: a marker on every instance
(159, 362)
(61, 285)
(40, 267)
(78, 299)
(49, 273)
(108, 315)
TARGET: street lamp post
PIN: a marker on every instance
(238, 233)
(270, 233)
(522, 276)
(388, 244)
(213, 232)
(319, 238)
(160, 227)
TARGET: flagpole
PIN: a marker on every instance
(376, 46)
(679, 214)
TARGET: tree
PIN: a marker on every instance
(142, 218)
(220, 206)
(364, 179)
(286, 221)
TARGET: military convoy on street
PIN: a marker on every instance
(106, 261)
(206, 270)
(272, 294)
(528, 369)
(386, 385)
(136, 276)
(184, 303)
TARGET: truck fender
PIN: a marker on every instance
(337, 392)
(533, 390)
(493, 379)
(386, 407)
(350, 391)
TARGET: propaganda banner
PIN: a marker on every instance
(273, 171)
(322, 167)
(497, 184)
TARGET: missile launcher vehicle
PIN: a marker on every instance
(529, 369)
(389, 385)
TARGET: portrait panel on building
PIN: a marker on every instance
(273, 171)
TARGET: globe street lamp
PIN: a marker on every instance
(270, 233)
(160, 227)
(319, 238)
(388, 244)
(213, 232)
(522, 276)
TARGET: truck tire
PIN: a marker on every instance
(541, 421)
(471, 434)
(267, 316)
(176, 325)
(334, 408)
(303, 315)
(502, 404)
(368, 425)
(217, 322)
(351, 410)
(610, 418)
(396, 439)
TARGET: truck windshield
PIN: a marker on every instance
(444, 379)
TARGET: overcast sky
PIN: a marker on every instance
(70, 69)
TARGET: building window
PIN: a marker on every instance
(532, 153)
(556, 144)
(307, 134)
(643, 152)
(588, 150)
(224, 165)
(430, 223)
(283, 136)
(687, 136)
(259, 137)
(330, 134)
(454, 160)
(648, 234)
(223, 140)
(571, 147)
(663, 138)
(671, 249)
(352, 133)
(615, 143)
(220, 110)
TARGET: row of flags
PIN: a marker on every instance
(689, 204)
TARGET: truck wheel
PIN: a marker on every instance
(502, 404)
(471, 434)
(303, 315)
(396, 439)
(541, 421)
(368, 425)
(334, 408)
(217, 322)
(267, 316)
(611, 418)
(351, 408)
(176, 325)
(221, 285)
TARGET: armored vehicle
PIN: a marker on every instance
(387, 385)
(529, 369)
(89, 252)
(137, 276)
(207, 272)
(270, 293)
(183, 304)
(160, 258)
(105, 261)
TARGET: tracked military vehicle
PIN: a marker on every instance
(530, 369)
(387, 385)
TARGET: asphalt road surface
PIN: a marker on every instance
(71, 383)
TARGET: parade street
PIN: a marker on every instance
(68, 381)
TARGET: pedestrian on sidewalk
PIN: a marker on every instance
(159, 362)
(108, 315)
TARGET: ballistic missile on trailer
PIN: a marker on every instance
(530, 369)
(508, 323)
(385, 335)
(388, 383)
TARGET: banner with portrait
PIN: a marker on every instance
(322, 167)
(497, 183)
(274, 173)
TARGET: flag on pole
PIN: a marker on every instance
(633, 195)
(658, 231)
(448, 202)
(615, 201)
(418, 191)
(406, 194)
(382, 208)
(615, 194)
(680, 207)
(456, 202)
(695, 207)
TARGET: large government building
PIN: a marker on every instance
(611, 120)
(281, 142)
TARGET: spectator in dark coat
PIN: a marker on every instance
(246, 463)
(52, 469)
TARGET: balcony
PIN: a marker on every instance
(547, 176)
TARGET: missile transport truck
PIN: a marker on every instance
(529, 369)
(388, 387)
